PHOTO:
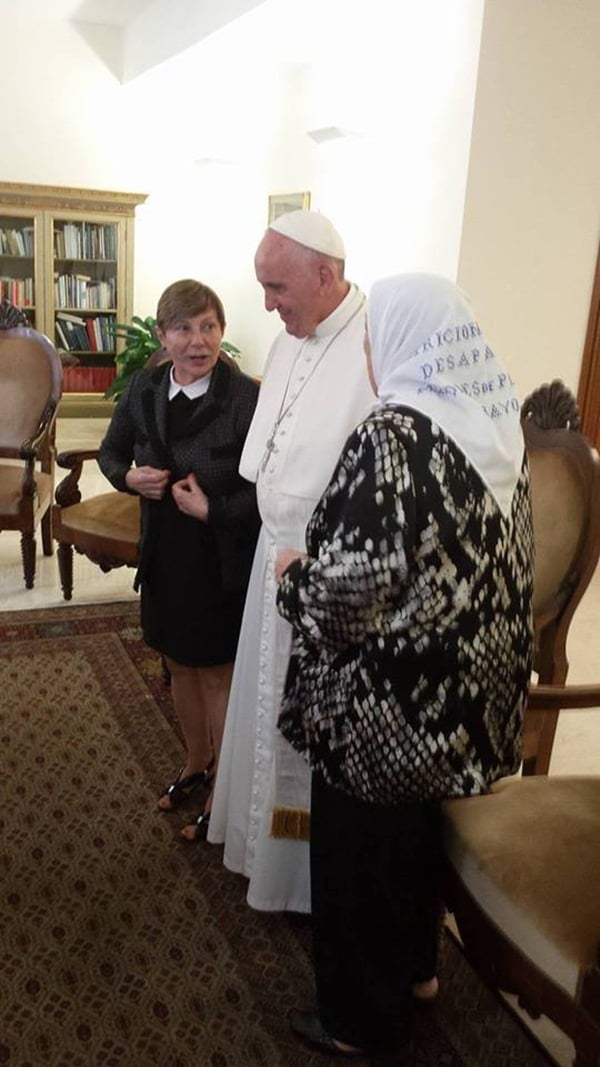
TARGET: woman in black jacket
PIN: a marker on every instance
(175, 439)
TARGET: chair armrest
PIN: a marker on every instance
(556, 697)
(33, 449)
(67, 491)
(31, 446)
(76, 455)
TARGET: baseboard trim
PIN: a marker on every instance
(85, 406)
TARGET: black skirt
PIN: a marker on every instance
(186, 614)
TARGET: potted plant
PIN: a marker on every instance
(141, 342)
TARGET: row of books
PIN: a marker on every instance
(18, 290)
(82, 291)
(15, 242)
(89, 334)
(87, 379)
(85, 240)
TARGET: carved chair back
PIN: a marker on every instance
(565, 492)
(30, 388)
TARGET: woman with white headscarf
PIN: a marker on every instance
(412, 649)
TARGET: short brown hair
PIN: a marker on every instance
(185, 299)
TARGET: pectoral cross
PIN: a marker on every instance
(271, 447)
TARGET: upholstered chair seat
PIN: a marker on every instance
(11, 492)
(105, 527)
(529, 853)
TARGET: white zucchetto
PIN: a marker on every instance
(311, 229)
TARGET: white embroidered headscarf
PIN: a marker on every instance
(428, 353)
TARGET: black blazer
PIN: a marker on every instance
(138, 432)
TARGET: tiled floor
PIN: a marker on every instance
(577, 747)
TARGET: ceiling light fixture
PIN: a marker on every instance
(330, 133)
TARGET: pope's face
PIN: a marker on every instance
(289, 275)
(193, 345)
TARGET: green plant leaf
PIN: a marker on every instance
(231, 350)
(140, 343)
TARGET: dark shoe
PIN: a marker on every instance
(182, 788)
(307, 1026)
(197, 830)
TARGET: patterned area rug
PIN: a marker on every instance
(122, 945)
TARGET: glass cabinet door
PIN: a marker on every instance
(19, 236)
(85, 300)
(66, 259)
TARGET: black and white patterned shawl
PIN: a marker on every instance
(412, 614)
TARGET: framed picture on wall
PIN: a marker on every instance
(280, 203)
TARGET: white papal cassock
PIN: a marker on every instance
(314, 392)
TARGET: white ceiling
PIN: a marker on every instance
(101, 12)
(131, 36)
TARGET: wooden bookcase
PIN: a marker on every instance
(66, 258)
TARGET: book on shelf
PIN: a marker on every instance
(83, 291)
(16, 241)
(74, 331)
(89, 333)
(29, 239)
(90, 325)
(87, 379)
(18, 290)
(85, 240)
(61, 337)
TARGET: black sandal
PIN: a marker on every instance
(199, 826)
(182, 788)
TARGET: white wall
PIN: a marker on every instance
(249, 94)
(532, 219)
(402, 79)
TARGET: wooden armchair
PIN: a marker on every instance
(566, 519)
(523, 862)
(105, 528)
(30, 388)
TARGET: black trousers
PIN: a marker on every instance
(375, 912)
